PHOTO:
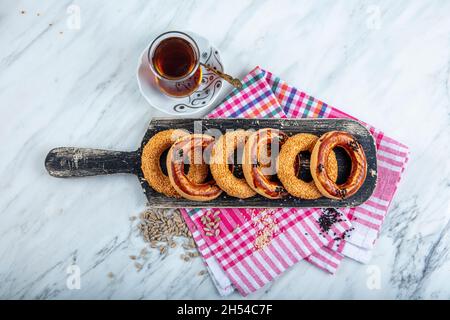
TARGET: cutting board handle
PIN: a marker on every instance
(81, 162)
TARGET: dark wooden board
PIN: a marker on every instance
(76, 162)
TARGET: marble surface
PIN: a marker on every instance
(386, 62)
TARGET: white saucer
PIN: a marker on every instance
(200, 99)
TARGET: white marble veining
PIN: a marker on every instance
(387, 62)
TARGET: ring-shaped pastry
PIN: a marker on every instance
(319, 160)
(151, 168)
(257, 164)
(222, 156)
(190, 147)
(288, 162)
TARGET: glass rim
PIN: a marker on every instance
(154, 44)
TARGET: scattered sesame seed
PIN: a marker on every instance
(328, 218)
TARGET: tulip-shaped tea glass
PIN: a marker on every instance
(174, 59)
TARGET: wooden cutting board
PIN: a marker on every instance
(79, 162)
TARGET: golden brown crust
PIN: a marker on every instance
(151, 168)
(190, 147)
(256, 162)
(319, 156)
(286, 166)
(221, 157)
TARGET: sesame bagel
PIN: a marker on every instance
(190, 148)
(288, 165)
(319, 168)
(221, 159)
(151, 168)
(257, 165)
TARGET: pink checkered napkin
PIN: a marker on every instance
(267, 96)
(256, 245)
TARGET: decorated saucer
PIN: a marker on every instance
(199, 100)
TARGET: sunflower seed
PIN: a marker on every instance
(193, 254)
(159, 227)
(138, 266)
